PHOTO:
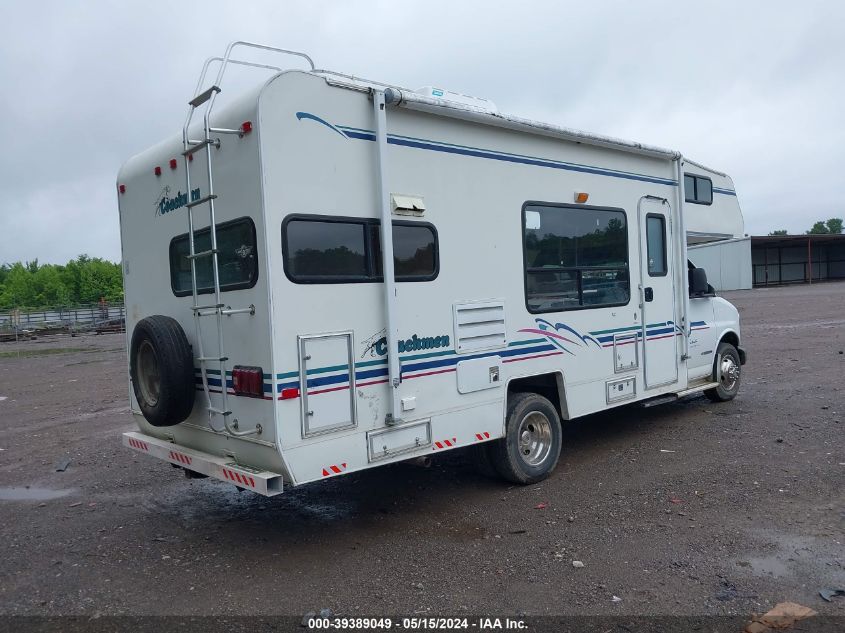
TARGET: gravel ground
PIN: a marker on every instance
(688, 508)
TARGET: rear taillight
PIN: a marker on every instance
(248, 381)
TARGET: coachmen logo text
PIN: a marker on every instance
(413, 344)
(166, 204)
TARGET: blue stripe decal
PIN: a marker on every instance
(466, 150)
(454, 361)
(504, 157)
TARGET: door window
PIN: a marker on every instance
(656, 245)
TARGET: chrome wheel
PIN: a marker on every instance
(147, 371)
(535, 438)
(728, 372)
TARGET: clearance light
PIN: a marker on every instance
(248, 381)
(581, 197)
(121, 188)
(172, 163)
(246, 127)
(157, 171)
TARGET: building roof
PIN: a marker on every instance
(794, 240)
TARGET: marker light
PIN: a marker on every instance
(246, 127)
(290, 393)
(172, 163)
(157, 171)
(122, 188)
(581, 197)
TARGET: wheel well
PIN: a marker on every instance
(550, 386)
(730, 337)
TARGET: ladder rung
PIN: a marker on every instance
(210, 251)
(249, 310)
(203, 97)
(216, 359)
(218, 411)
(203, 200)
(197, 146)
(211, 305)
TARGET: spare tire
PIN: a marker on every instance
(161, 367)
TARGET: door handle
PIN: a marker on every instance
(648, 294)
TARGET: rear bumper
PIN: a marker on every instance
(263, 482)
(742, 355)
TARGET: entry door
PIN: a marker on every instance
(657, 294)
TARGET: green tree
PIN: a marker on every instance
(779, 232)
(834, 225)
(17, 288)
(82, 280)
(819, 228)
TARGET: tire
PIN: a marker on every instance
(727, 371)
(161, 367)
(530, 449)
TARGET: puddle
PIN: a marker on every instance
(769, 566)
(32, 494)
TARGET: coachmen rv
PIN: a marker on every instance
(331, 274)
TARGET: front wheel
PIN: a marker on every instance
(531, 447)
(727, 372)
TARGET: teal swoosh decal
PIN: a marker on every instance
(314, 117)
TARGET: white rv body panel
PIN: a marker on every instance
(467, 333)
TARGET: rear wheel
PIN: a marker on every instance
(161, 367)
(727, 371)
(530, 449)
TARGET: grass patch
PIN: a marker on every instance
(47, 351)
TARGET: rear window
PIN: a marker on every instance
(237, 259)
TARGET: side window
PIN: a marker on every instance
(704, 190)
(237, 259)
(698, 189)
(414, 251)
(325, 249)
(656, 245)
(575, 258)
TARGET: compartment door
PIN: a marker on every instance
(657, 294)
(326, 382)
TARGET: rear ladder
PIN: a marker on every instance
(216, 309)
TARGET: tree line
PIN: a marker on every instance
(81, 281)
(832, 227)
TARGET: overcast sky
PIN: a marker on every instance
(756, 89)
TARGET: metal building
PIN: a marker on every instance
(727, 262)
(789, 259)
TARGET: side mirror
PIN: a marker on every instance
(698, 282)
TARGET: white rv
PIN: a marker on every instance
(331, 274)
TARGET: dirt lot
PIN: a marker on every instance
(688, 508)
